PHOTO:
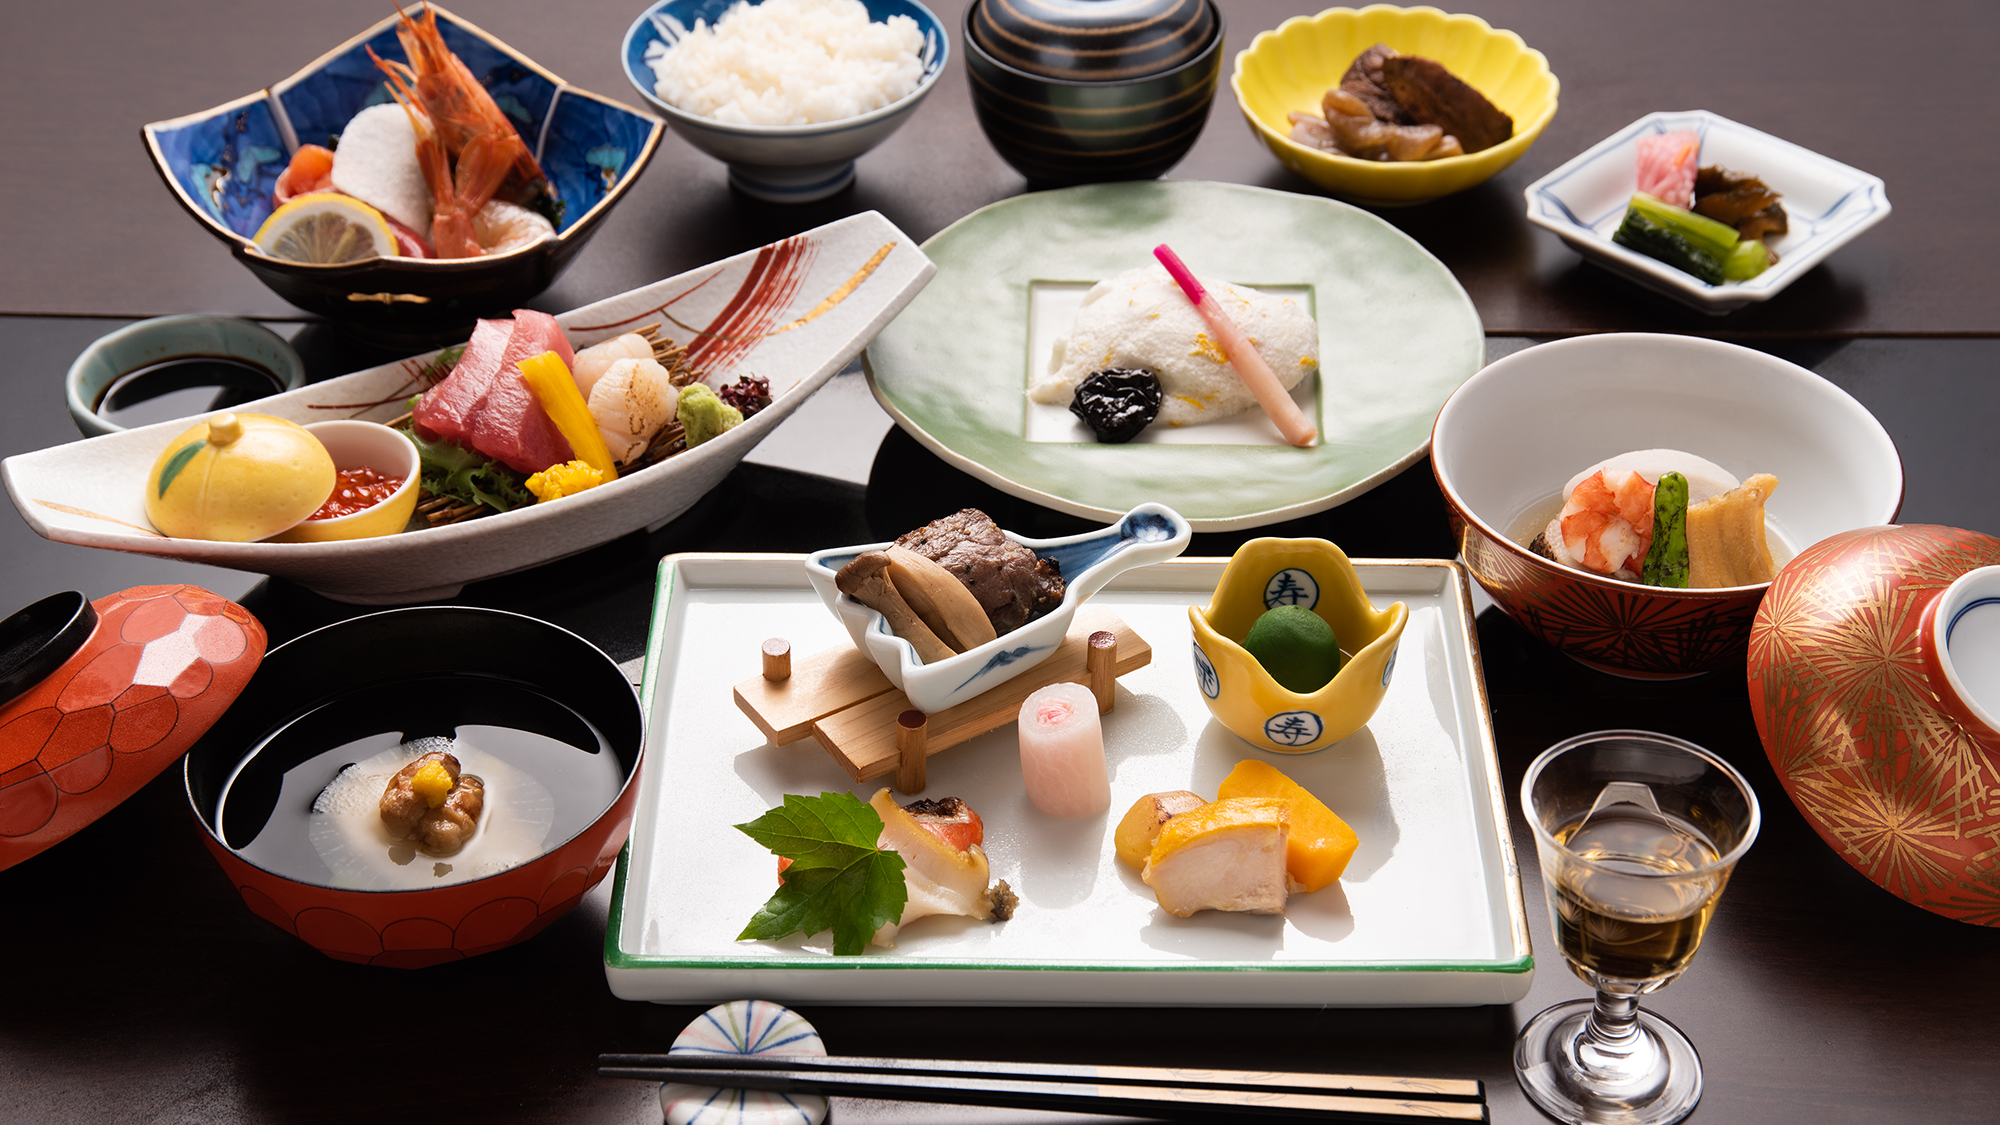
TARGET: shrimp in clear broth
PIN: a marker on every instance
(1606, 524)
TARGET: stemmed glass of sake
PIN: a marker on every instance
(1637, 834)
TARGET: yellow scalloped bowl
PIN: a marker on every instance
(1242, 695)
(1289, 69)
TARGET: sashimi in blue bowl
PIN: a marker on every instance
(409, 180)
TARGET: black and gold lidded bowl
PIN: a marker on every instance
(1078, 91)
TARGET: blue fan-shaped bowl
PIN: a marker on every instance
(223, 164)
(1147, 534)
(781, 163)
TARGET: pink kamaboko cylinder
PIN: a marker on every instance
(1062, 752)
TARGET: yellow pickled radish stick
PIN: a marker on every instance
(1242, 354)
(549, 378)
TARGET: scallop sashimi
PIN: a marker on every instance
(592, 362)
(630, 403)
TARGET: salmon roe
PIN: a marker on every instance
(356, 490)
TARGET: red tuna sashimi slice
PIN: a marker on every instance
(1667, 164)
(507, 423)
(446, 409)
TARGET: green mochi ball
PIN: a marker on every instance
(1296, 646)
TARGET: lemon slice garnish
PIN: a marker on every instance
(326, 228)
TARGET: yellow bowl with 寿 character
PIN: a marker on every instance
(1264, 574)
(1289, 70)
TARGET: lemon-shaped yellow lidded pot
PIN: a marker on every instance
(1312, 574)
(238, 478)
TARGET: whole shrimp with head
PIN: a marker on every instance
(478, 171)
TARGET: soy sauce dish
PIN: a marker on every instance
(287, 786)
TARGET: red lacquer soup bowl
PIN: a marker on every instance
(286, 787)
(1873, 678)
(1512, 436)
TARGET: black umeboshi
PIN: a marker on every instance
(1117, 403)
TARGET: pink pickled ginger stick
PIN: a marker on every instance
(1242, 354)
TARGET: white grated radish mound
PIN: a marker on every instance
(789, 62)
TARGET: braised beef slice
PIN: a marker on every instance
(1012, 584)
(1364, 80)
(1432, 95)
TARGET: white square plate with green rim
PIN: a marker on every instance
(1397, 336)
(1428, 913)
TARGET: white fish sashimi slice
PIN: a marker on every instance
(377, 164)
(1705, 478)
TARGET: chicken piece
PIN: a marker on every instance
(1225, 855)
(939, 878)
(866, 580)
(445, 829)
(431, 801)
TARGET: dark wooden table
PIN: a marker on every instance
(135, 986)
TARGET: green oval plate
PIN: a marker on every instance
(1397, 336)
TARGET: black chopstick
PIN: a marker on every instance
(1442, 1089)
(977, 1084)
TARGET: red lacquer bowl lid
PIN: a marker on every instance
(96, 698)
(1869, 740)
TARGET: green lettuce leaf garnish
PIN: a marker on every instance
(450, 469)
(839, 879)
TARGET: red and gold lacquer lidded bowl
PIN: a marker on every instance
(1507, 441)
(97, 698)
(546, 719)
(1874, 673)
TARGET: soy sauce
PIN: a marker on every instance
(182, 387)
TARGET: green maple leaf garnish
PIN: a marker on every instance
(839, 880)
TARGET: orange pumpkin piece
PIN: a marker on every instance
(1320, 843)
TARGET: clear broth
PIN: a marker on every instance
(1535, 520)
(265, 808)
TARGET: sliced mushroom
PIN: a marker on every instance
(940, 599)
(866, 580)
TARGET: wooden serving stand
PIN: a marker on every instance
(850, 708)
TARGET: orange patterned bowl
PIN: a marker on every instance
(549, 721)
(1511, 435)
(97, 698)
(1853, 689)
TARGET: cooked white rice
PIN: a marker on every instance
(789, 62)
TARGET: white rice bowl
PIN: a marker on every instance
(1141, 319)
(789, 62)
